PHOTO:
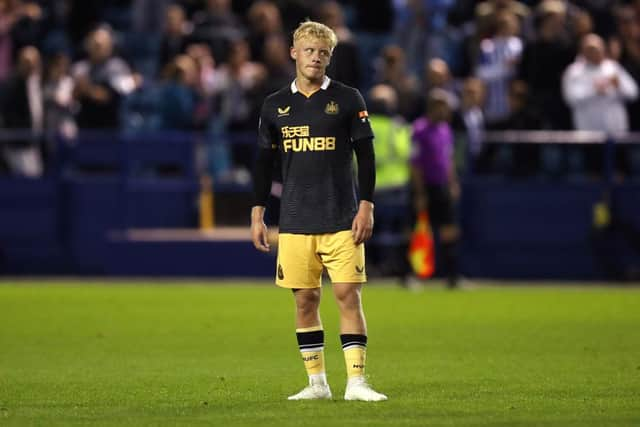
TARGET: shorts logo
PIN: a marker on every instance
(359, 270)
(331, 108)
(280, 272)
(284, 111)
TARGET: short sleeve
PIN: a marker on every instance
(360, 127)
(267, 137)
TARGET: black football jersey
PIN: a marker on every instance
(315, 136)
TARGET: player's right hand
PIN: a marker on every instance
(259, 236)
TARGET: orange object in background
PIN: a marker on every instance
(206, 204)
(421, 248)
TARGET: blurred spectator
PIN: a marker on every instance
(280, 68)
(597, 88)
(525, 160)
(218, 26)
(635, 4)
(20, 25)
(217, 13)
(421, 26)
(625, 48)
(497, 64)
(412, 33)
(176, 34)
(388, 249)
(544, 60)
(83, 17)
(345, 58)
(58, 98)
(201, 53)
(6, 23)
(438, 76)
(264, 22)
(239, 89)
(582, 24)
(191, 7)
(393, 140)
(434, 178)
(148, 16)
(392, 70)
(23, 110)
(179, 96)
(238, 84)
(373, 24)
(488, 11)
(294, 12)
(100, 82)
(462, 13)
(601, 12)
(468, 122)
(376, 19)
(210, 88)
(522, 115)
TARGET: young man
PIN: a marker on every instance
(315, 124)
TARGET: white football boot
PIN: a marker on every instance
(313, 392)
(359, 389)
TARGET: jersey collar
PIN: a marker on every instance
(325, 84)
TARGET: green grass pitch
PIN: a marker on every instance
(138, 354)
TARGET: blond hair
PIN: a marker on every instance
(316, 30)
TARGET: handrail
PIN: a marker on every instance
(558, 137)
(544, 137)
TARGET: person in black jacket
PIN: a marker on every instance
(23, 112)
(100, 82)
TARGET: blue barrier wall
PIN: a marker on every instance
(511, 230)
(539, 229)
(31, 227)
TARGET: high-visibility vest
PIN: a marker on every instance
(393, 147)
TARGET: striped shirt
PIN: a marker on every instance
(496, 67)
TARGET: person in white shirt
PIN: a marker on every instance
(596, 88)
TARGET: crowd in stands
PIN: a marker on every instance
(206, 66)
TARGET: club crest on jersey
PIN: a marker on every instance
(363, 116)
(332, 108)
(284, 111)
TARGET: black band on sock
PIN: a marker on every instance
(307, 340)
(350, 340)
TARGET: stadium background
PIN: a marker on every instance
(103, 189)
(160, 187)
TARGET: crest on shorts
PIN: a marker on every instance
(331, 108)
(280, 272)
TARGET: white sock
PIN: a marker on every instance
(355, 380)
(318, 379)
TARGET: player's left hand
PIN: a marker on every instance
(362, 225)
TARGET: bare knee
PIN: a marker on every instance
(348, 297)
(307, 302)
